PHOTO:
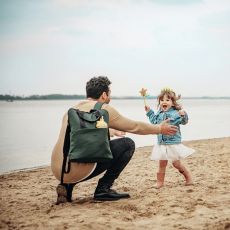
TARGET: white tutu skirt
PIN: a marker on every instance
(170, 152)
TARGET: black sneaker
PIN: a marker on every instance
(109, 195)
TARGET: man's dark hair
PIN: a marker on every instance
(96, 86)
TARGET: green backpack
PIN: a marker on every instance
(87, 137)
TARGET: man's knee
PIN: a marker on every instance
(124, 147)
(130, 146)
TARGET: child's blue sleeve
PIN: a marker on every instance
(179, 120)
(152, 117)
(184, 119)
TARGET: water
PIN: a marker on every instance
(29, 129)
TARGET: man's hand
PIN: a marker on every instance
(117, 133)
(166, 128)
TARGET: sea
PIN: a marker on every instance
(29, 129)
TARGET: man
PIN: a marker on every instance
(98, 90)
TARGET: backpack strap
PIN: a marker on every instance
(66, 147)
(98, 105)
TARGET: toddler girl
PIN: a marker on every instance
(169, 147)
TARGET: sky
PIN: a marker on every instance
(56, 46)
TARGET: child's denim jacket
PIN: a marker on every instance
(175, 119)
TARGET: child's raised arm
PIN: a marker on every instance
(147, 108)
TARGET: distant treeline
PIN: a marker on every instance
(7, 97)
(42, 97)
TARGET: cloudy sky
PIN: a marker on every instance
(55, 46)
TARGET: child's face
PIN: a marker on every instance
(166, 103)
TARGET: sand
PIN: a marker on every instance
(27, 198)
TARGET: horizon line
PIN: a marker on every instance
(80, 96)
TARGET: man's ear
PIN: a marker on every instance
(102, 98)
(104, 95)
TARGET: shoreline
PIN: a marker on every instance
(24, 169)
(28, 196)
(47, 165)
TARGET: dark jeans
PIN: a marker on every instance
(122, 150)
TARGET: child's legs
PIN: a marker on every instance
(161, 173)
(162, 166)
(178, 165)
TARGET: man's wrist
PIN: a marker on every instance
(159, 129)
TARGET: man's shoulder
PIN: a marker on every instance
(109, 108)
(87, 105)
(84, 105)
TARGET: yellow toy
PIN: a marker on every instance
(101, 123)
(143, 93)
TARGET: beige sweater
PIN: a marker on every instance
(79, 171)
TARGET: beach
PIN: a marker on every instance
(28, 197)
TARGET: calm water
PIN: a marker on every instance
(29, 129)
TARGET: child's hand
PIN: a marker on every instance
(181, 112)
(147, 108)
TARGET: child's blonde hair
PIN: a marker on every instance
(171, 95)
